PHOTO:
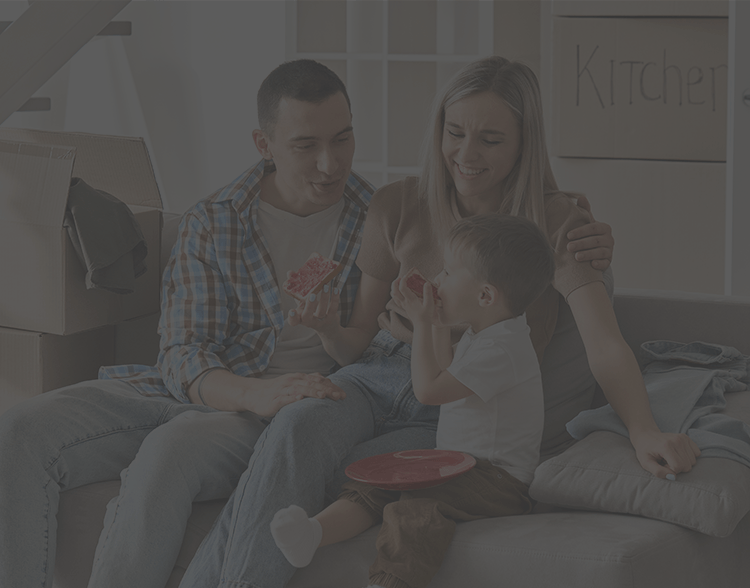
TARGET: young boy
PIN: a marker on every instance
(490, 392)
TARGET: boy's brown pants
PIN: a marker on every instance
(418, 525)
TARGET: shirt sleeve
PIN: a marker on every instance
(194, 318)
(377, 255)
(563, 215)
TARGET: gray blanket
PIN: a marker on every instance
(686, 384)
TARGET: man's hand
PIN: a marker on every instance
(271, 395)
(592, 242)
(664, 453)
(224, 390)
(318, 311)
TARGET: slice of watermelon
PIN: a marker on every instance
(415, 282)
(311, 277)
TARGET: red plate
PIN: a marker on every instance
(411, 470)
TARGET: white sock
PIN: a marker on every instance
(296, 535)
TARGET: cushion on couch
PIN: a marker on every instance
(558, 550)
(601, 473)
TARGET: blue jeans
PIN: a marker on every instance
(168, 454)
(300, 459)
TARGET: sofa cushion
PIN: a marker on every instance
(530, 551)
(559, 549)
(601, 473)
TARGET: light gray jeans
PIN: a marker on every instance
(300, 459)
(168, 454)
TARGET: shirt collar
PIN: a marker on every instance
(354, 190)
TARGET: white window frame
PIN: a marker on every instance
(444, 54)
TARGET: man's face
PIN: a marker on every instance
(312, 146)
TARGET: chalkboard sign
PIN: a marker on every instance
(641, 88)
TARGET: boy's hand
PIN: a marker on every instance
(416, 310)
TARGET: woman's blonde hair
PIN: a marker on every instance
(515, 84)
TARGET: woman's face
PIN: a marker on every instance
(481, 143)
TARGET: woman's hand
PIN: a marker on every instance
(616, 370)
(592, 242)
(664, 453)
(318, 311)
(417, 311)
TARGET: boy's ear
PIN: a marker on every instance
(263, 143)
(489, 295)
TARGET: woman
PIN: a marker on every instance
(485, 152)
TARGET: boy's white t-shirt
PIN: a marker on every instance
(291, 239)
(503, 420)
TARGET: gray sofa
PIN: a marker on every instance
(556, 545)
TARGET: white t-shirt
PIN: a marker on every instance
(291, 239)
(503, 420)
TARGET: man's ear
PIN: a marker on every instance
(263, 143)
(488, 295)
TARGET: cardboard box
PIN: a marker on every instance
(137, 341)
(32, 363)
(640, 88)
(42, 285)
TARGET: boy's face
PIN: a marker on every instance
(458, 289)
(312, 146)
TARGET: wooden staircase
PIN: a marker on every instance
(40, 41)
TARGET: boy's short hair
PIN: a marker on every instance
(509, 252)
(302, 79)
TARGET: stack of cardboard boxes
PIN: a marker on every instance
(53, 330)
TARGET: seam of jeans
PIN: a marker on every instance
(403, 350)
(165, 416)
(104, 538)
(47, 509)
(225, 583)
(237, 495)
(399, 403)
(78, 441)
(159, 421)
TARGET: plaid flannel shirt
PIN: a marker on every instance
(220, 301)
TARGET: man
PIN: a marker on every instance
(184, 430)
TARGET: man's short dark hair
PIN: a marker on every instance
(303, 79)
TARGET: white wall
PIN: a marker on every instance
(186, 81)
